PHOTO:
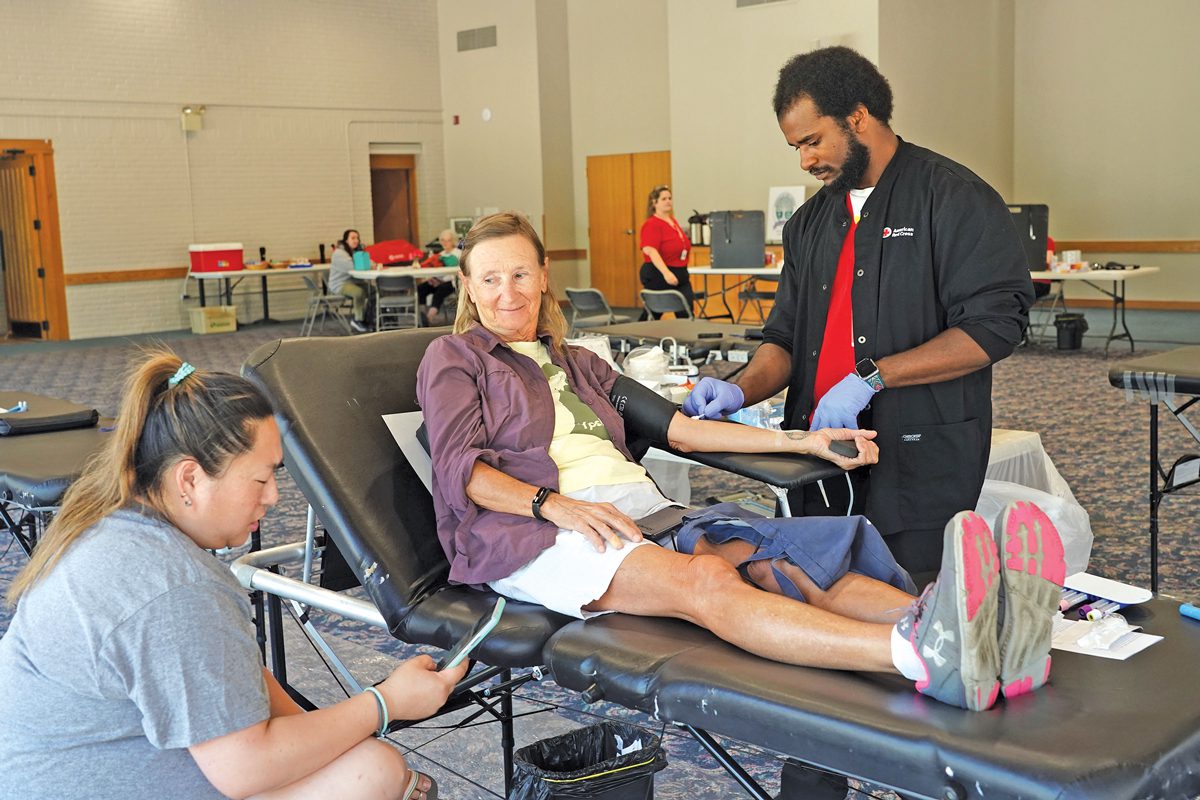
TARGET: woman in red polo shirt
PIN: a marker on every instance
(666, 247)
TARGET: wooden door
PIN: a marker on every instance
(618, 186)
(24, 285)
(394, 198)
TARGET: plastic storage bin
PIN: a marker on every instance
(222, 257)
(608, 761)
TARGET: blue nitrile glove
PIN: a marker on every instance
(840, 406)
(713, 399)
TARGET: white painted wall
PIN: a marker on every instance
(953, 80)
(620, 89)
(295, 94)
(558, 174)
(1094, 112)
(494, 163)
(1107, 118)
(726, 147)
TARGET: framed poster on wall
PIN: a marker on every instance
(460, 226)
(782, 202)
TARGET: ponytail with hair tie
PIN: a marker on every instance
(184, 370)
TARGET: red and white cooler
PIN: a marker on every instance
(216, 257)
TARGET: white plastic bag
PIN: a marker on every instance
(598, 344)
(647, 363)
(1074, 526)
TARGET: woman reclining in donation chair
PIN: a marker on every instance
(536, 495)
(131, 670)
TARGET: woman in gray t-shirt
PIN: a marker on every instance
(130, 669)
(341, 277)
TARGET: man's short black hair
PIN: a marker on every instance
(836, 79)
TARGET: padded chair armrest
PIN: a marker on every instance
(45, 414)
(1159, 375)
(783, 470)
(36, 470)
(446, 616)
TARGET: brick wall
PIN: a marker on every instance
(297, 94)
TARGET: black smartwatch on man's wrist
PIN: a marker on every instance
(538, 499)
(868, 370)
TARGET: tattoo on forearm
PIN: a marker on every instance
(797, 435)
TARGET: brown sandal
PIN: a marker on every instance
(413, 793)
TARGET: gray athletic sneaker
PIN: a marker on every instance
(1032, 573)
(952, 625)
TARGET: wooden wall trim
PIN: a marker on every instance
(1130, 245)
(30, 146)
(1103, 245)
(126, 276)
(566, 255)
(1147, 305)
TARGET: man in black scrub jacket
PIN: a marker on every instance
(903, 281)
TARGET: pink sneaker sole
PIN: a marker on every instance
(952, 627)
(977, 578)
(1033, 566)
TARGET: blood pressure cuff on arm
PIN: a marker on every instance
(647, 414)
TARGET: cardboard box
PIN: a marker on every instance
(214, 319)
(223, 257)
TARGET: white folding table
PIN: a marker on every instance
(1117, 293)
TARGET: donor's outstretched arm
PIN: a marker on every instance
(656, 418)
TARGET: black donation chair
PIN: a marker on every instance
(379, 517)
(871, 726)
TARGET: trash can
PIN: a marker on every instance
(1071, 328)
(607, 761)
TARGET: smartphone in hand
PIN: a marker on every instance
(477, 634)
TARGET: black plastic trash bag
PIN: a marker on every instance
(1070, 329)
(584, 763)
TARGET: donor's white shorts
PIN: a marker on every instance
(570, 574)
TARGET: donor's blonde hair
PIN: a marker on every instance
(551, 321)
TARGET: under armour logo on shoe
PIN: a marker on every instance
(934, 651)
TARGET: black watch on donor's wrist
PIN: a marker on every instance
(868, 370)
(538, 499)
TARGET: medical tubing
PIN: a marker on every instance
(384, 719)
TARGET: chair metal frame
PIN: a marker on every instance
(325, 306)
(672, 301)
(756, 296)
(395, 297)
(597, 313)
(1048, 306)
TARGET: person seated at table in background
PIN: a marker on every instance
(665, 246)
(432, 292)
(536, 492)
(341, 277)
(131, 670)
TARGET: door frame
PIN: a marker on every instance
(409, 164)
(50, 241)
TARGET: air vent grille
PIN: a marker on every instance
(477, 38)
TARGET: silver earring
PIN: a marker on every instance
(187, 501)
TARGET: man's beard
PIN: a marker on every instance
(858, 158)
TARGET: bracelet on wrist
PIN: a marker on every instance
(384, 719)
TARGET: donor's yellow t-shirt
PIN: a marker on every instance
(581, 446)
